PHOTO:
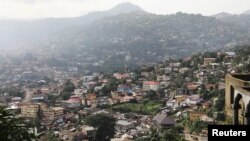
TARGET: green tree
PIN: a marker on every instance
(51, 137)
(65, 95)
(13, 128)
(110, 86)
(13, 91)
(68, 86)
(151, 95)
(154, 134)
(219, 104)
(51, 97)
(220, 116)
(171, 134)
(212, 79)
(196, 126)
(104, 124)
(210, 55)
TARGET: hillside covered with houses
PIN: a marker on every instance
(175, 99)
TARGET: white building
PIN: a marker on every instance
(194, 99)
(151, 85)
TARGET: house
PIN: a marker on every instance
(177, 102)
(168, 70)
(115, 94)
(13, 106)
(16, 99)
(193, 115)
(172, 103)
(38, 98)
(161, 120)
(114, 101)
(207, 105)
(124, 137)
(73, 102)
(194, 99)
(103, 101)
(183, 70)
(45, 90)
(230, 54)
(164, 84)
(127, 98)
(163, 78)
(177, 64)
(210, 86)
(192, 87)
(195, 137)
(151, 85)
(79, 92)
(207, 119)
(145, 74)
(121, 76)
(90, 100)
(124, 89)
(123, 125)
(98, 88)
(221, 86)
(88, 78)
(207, 61)
(88, 130)
(89, 85)
(183, 91)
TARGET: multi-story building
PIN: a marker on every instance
(30, 110)
(52, 113)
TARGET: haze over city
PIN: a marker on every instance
(116, 70)
(36, 9)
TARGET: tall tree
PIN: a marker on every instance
(13, 128)
(104, 125)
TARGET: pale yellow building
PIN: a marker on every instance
(30, 110)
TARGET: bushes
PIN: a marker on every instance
(13, 91)
(13, 128)
(148, 108)
(196, 126)
(104, 125)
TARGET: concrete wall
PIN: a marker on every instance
(234, 85)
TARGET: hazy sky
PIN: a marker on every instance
(29, 9)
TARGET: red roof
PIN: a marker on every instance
(192, 86)
(151, 83)
(91, 96)
(73, 101)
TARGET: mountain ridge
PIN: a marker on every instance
(146, 37)
(221, 15)
(22, 32)
(246, 12)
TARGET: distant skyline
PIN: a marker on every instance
(36, 9)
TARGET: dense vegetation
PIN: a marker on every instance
(13, 91)
(68, 88)
(104, 125)
(136, 38)
(142, 108)
(13, 128)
